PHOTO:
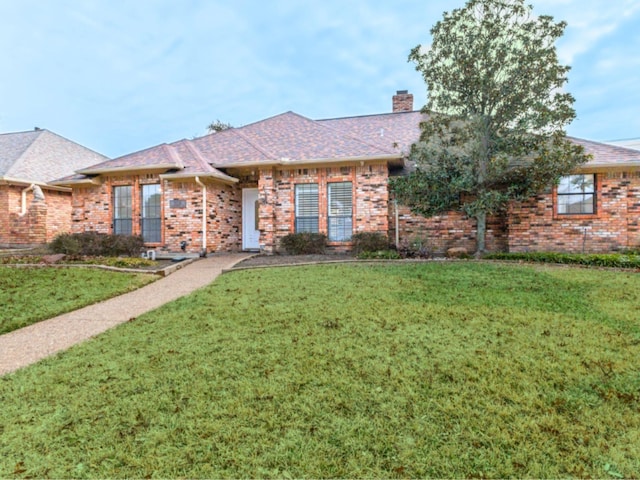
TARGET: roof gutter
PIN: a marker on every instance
(217, 176)
(89, 182)
(313, 161)
(145, 168)
(23, 182)
(597, 167)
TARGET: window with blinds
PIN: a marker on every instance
(340, 211)
(306, 208)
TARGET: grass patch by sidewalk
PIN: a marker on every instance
(394, 371)
(29, 295)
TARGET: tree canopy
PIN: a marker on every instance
(497, 112)
(218, 126)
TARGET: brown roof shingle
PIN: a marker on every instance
(290, 137)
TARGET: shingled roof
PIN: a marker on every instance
(40, 156)
(606, 155)
(290, 139)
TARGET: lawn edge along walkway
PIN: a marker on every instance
(40, 340)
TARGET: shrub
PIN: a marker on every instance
(97, 244)
(379, 255)
(369, 242)
(304, 243)
(415, 247)
(65, 243)
(613, 260)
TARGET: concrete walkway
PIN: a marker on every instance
(35, 342)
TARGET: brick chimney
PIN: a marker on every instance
(402, 101)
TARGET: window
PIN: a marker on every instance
(577, 195)
(307, 208)
(151, 214)
(340, 211)
(122, 210)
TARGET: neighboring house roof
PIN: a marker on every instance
(41, 156)
(628, 143)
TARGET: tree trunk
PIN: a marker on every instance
(481, 219)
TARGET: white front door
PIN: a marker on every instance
(250, 208)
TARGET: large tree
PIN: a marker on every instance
(497, 112)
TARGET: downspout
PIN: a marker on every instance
(395, 203)
(204, 217)
(23, 208)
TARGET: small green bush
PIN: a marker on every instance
(65, 243)
(369, 242)
(97, 244)
(304, 243)
(612, 260)
(415, 247)
(379, 255)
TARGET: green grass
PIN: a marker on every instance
(393, 371)
(29, 295)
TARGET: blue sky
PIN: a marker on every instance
(119, 75)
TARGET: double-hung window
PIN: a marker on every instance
(151, 214)
(122, 210)
(306, 208)
(340, 211)
(576, 195)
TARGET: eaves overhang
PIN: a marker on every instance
(392, 159)
(608, 167)
(131, 169)
(79, 182)
(219, 176)
(26, 183)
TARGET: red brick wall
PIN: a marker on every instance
(4, 215)
(58, 213)
(42, 221)
(181, 212)
(185, 224)
(442, 232)
(535, 225)
(277, 190)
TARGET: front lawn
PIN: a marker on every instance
(29, 295)
(385, 371)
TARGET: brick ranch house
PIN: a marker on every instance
(245, 188)
(33, 211)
